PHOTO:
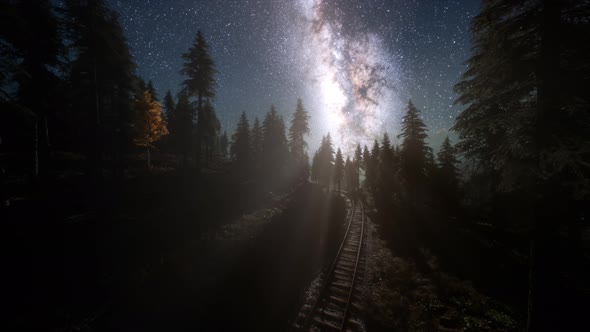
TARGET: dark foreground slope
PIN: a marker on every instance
(163, 253)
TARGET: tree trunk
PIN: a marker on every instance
(36, 150)
(542, 270)
(149, 159)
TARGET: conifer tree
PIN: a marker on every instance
(297, 144)
(358, 160)
(199, 68)
(373, 168)
(150, 125)
(102, 77)
(208, 134)
(241, 148)
(325, 161)
(275, 150)
(223, 145)
(349, 174)
(525, 88)
(257, 138)
(366, 157)
(315, 167)
(414, 152)
(36, 41)
(447, 163)
(169, 108)
(183, 126)
(338, 169)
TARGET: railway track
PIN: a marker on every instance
(336, 301)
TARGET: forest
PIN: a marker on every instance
(127, 208)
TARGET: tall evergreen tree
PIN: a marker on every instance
(39, 49)
(358, 160)
(372, 174)
(183, 126)
(275, 150)
(315, 167)
(349, 175)
(338, 169)
(527, 120)
(200, 71)
(325, 162)
(223, 145)
(414, 152)
(169, 107)
(297, 144)
(209, 132)
(257, 139)
(447, 163)
(241, 148)
(102, 80)
(447, 178)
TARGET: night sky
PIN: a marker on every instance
(355, 64)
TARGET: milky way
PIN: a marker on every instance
(355, 63)
(352, 76)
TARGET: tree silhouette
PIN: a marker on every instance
(275, 151)
(102, 79)
(209, 130)
(150, 125)
(324, 162)
(39, 49)
(183, 126)
(223, 145)
(524, 97)
(358, 160)
(447, 177)
(199, 68)
(241, 148)
(338, 169)
(414, 152)
(373, 163)
(257, 138)
(297, 144)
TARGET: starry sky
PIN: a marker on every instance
(354, 63)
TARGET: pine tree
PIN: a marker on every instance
(39, 51)
(169, 108)
(414, 152)
(447, 163)
(325, 165)
(223, 145)
(366, 157)
(102, 79)
(358, 160)
(200, 71)
(372, 174)
(297, 144)
(447, 178)
(275, 150)
(257, 139)
(315, 167)
(338, 169)
(150, 125)
(209, 132)
(349, 174)
(183, 126)
(241, 148)
(526, 120)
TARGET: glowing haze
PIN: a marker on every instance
(351, 78)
